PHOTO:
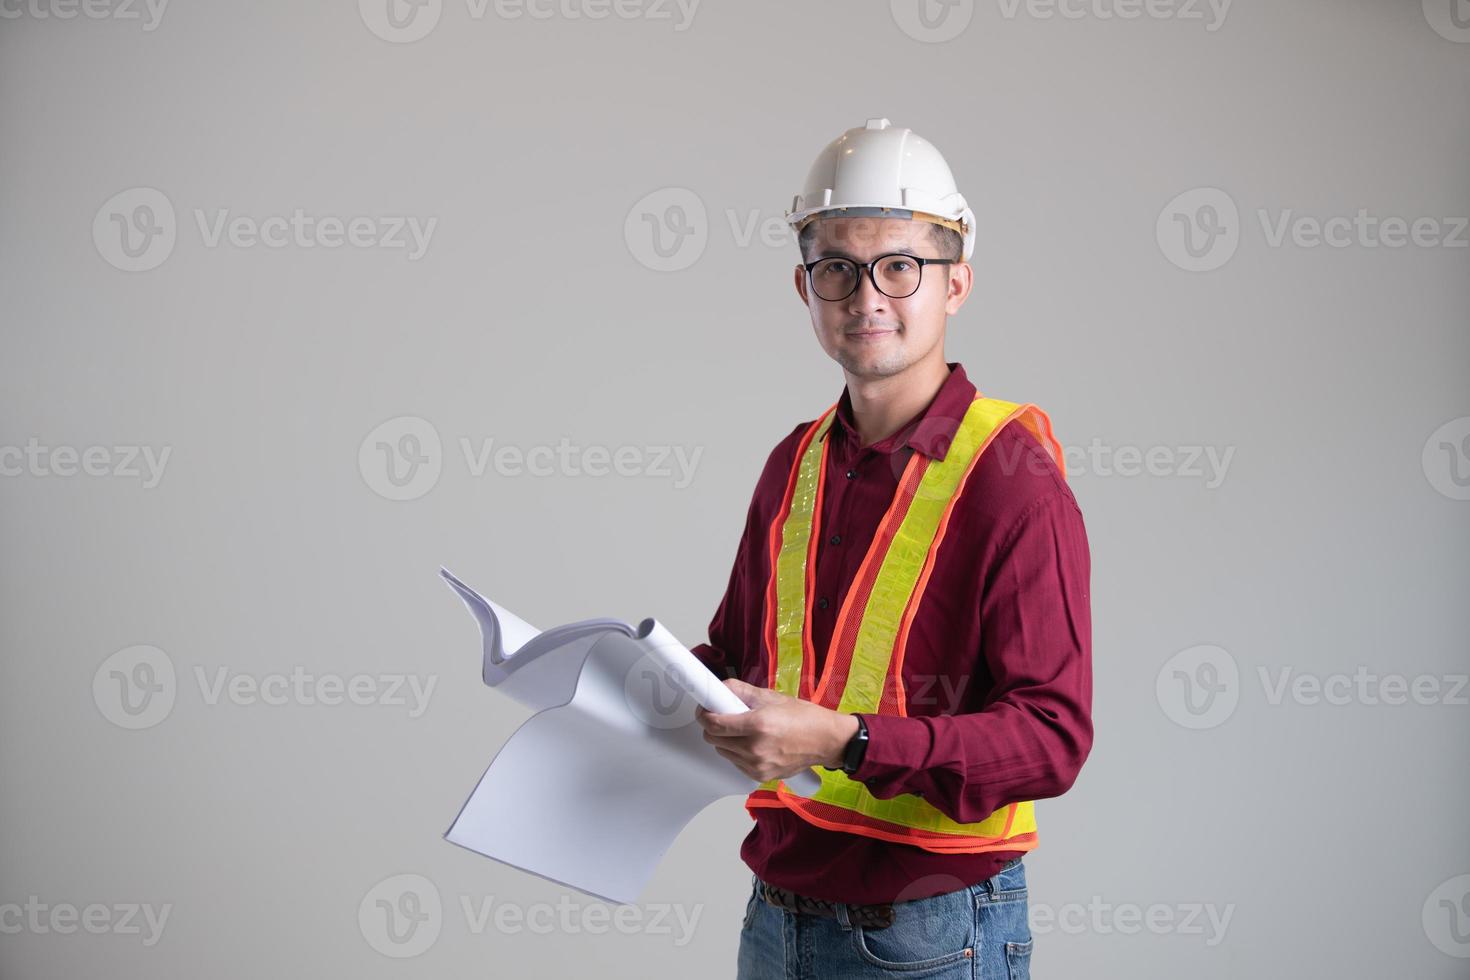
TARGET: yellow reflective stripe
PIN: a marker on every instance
(791, 562)
(908, 810)
(874, 646)
(907, 553)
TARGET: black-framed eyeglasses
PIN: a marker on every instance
(896, 275)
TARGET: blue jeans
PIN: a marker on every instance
(979, 932)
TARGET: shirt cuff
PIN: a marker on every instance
(895, 742)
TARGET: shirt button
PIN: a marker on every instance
(835, 539)
(822, 603)
(852, 474)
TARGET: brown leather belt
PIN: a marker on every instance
(867, 916)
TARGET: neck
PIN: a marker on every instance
(882, 406)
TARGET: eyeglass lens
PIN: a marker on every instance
(836, 278)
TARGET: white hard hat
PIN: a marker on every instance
(876, 170)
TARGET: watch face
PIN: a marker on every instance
(853, 757)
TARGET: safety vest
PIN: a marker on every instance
(863, 667)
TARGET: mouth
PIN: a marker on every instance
(863, 334)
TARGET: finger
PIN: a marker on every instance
(738, 762)
(731, 746)
(745, 692)
(726, 724)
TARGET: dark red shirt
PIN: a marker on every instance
(998, 668)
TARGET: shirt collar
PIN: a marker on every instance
(931, 431)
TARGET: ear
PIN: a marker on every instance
(961, 281)
(800, 280)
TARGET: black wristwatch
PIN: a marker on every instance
(857, 747)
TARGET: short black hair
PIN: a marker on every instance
(946, 241)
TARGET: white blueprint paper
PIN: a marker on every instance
(593, 788)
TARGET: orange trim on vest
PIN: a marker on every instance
(842, 644)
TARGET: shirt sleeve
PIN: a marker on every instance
(733, 631)
(1030, 739)
(727, 641)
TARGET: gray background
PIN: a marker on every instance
(1333, 835)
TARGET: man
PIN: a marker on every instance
(908, 612)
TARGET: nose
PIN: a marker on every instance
(866, 298)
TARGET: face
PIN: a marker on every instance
(872, 335)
